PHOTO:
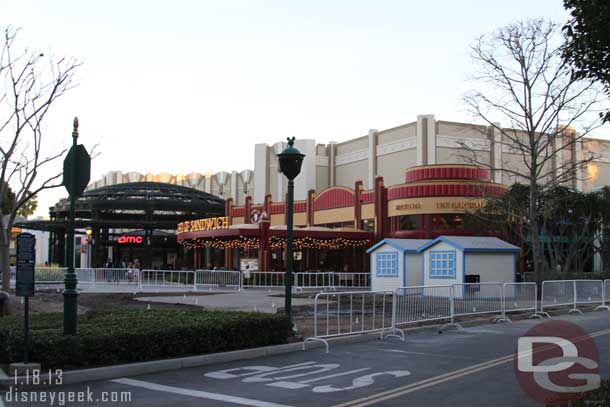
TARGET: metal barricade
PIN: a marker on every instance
(317, 281)
(49, 275)
(218, 278)
(352, 280)
(419, 304)
(265, 279)
(349, 313)
(182, 279)
(589, 292)
(558, 293)
(520, 297)
(605, 296)
(477, 298)
(116, 276)
(85, 276)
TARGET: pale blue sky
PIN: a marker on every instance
(191, 86)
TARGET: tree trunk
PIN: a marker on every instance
(5, 264)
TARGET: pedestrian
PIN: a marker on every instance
(247, 276)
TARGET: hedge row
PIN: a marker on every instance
(123, 336)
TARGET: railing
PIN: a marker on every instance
(331, 281)
(265, 279)
(356, 312)
(116, 276)
(167, 278)
(49, 275)
(477, 298)
(558, 293)
(520, 297)
(218, 278)
(422, 304)
(606, 293)
(303, 281)
(349, 313)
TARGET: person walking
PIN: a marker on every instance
(247, 276)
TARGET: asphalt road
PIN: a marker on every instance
(470, 367)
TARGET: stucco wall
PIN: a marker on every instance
(392, 166)
(492, 267)
(348, 174)
(396, 133)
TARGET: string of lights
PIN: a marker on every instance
(253, 243)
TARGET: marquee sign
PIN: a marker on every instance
(130, 240)
(198, 225)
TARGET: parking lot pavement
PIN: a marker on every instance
(469, 367)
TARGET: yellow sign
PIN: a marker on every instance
(198, 225)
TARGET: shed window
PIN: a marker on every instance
(442, 264)
(387, 264)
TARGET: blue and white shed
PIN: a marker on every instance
(396, 263)
(463, 259)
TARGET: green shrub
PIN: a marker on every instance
(599, 397)
(123, 336)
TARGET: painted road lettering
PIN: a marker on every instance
(283, 376)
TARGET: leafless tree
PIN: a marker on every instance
(30, 84)
(522, 83)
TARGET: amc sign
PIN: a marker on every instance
(130, 240)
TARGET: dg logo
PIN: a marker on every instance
(557, 362)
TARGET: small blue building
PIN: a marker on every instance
(396, 263)
(445, 260)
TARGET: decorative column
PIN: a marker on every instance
(310, 209)
(381, 209)
(358, 205)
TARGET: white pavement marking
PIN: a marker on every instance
(433, 381)
(427, 354)
(197, 393)
(1, 403)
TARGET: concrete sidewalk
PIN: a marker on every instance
(261, 300)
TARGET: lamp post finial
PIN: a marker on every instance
(290, 141)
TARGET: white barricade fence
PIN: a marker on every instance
(168, 279)
(85, 276)
(557, 293)
(520, 297)
(50, 275)
(116, 276)
(607, 293)
(589, 291)
(218, 278)
(318, 281)
(477, 298)
(352, 280)
(351, 312)
(265, 279)
(418, 304)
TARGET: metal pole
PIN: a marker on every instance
(70, 281)
(288, 277)
(26, 330)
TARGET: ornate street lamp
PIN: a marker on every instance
(290, 160)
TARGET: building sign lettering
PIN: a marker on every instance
(407, 206)
(129, 240)
(221, 222)
(460, 205)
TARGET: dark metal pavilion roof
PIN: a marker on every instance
(150, 205)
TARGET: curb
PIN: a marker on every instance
(141, 368)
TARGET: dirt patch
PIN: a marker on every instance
(51, 301)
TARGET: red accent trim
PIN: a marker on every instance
(277, 208)
(478, 189)
(432, 172)
(368, 197)
(238, 211)
(331, 198)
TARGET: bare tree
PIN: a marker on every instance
(523, 83)
(29, 85)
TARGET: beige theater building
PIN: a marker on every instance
(410, 181)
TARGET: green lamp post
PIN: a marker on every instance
(290, 160)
